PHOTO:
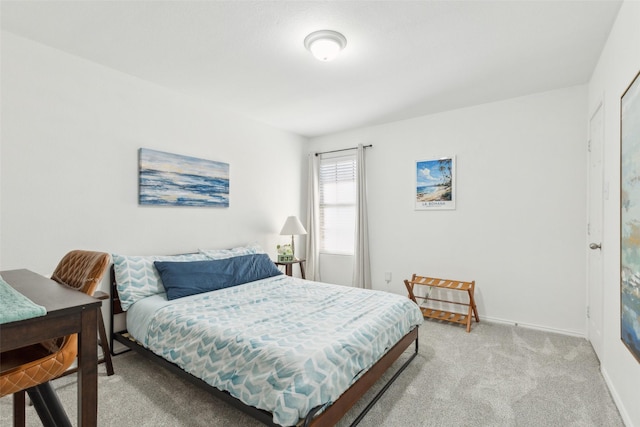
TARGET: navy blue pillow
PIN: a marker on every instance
(248, 268)
(181, 279)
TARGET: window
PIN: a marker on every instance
(337, 186)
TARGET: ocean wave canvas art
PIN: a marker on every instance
(630, 218)
(175, 180)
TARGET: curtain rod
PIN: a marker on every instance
(344, 149)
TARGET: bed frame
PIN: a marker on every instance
(328, 417)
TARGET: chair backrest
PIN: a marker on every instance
(82, 270)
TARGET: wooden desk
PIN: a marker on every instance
(68, 312)
(288, 266)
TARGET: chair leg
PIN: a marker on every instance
(106, 353)
(18, 409)
(48, 406)
(41, 407)
(104, 345)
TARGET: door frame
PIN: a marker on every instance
(595, 300)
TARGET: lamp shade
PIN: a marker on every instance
(292, 226)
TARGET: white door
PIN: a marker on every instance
(594, 232)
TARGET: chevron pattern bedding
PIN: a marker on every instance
(280, 344)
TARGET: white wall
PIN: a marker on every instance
(519, 226)
(71, 130)
(618, 64)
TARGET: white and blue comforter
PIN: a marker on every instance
(280, 344)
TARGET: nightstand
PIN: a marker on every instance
(288, 266)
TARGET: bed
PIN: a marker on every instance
(287, 351)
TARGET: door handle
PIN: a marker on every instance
(595, 246)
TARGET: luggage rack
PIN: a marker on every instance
(447, 316)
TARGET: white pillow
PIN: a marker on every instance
(250, 249)
(137, 277)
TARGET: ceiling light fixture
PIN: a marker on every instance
(325, 45)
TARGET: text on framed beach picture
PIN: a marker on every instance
(630, 217)
(174, 180)
(435, 184)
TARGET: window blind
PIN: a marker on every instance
(337, 187)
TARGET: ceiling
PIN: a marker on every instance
(403, 58)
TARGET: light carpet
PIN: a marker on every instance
(497, 375)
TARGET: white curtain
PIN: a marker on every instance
(361, 264)
(313, 221)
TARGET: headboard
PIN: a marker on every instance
(116, 309)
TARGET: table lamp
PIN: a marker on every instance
(292, 226)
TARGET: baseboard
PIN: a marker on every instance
(536, 327)
(626, 419)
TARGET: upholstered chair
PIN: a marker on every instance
(83, 271)
(29, 369)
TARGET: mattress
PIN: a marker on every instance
(281, 344)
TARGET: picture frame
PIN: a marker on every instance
(285, 253)
(435, 184)
(630, 217)
(167, 179)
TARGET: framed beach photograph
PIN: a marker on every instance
(174, 180)
(630, 217)
(435, 184)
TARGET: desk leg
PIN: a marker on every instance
(18, 408)
(88, 370)
(289, 269)
(301, 264)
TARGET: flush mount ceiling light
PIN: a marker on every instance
(325, 45)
